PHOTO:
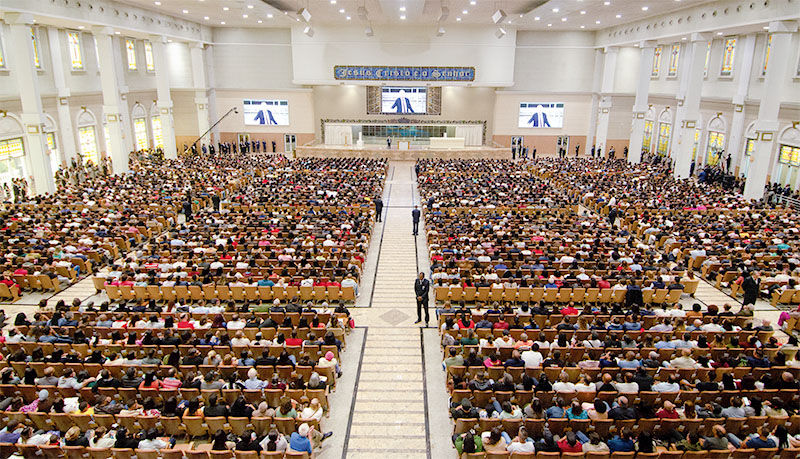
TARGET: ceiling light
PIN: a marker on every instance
(223, 22)
(440, 32)
(402, 8)
(549, 25)
(333, 2)
(206, 18)
(458, 19)
(185, 11)
(636, 45)
(619, 16)
(522, 15)
(606, 3)
(270, 16)
(81, 27)
(501, 32)
(583, 11)
(765, 27)
(684, 38)
(297, 19)
(305, 14)
(536, 18)
(116, 33)
(555, 10)
(368, 31)
(719, 33)
(499, 16)
(245, 16)
(403, 17)
(260, 21)
(597, 22)
(348, 18)
(158, 3)
(645, 8)
(225, 8)
(563, 19)
(465, 12)
(473, 3)
(249, 7)
(169, 41)
(583, 27)
(308, 31)
(341, 10)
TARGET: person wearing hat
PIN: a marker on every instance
(329, 361)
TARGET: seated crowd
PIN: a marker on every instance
(577, 371)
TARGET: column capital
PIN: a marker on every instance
(610, 49)
(701, 36)
(783, 27)
(103, 30)
(18, 19)
(197, 45)
(647, 44)
(155, 38)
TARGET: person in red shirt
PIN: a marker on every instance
(569, 310)
(501, 324)
(294, 340)
(668, 411)
(602, 283)
(570, 444)
(184, 322)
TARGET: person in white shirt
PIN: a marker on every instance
(312, 411)
(350, 282)
(521, 443)
(586, 385)
(504, 341)
(240, 340)
(533, 358)
(677, 311)
(563, 384)
(629, 386)
(235, 323)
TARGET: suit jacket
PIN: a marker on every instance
(537, 122)
(378, 203)
(422, 287)
(415, 215)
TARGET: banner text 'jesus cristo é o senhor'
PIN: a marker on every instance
(384, 73)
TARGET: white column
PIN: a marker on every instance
(606, 88)
(735, 146)
(640, 106)
(680, 111)
(200, 97)
(598, 64)
(111, 111)
(212, 93)
(164, 100)
(767, 123)
(124, 111)
(691, 105)
(67, 144)
(37, 164)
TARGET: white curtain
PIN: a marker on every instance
(338, 134)
(472, 134)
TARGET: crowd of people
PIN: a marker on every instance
(622, 375)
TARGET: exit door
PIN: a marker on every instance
(562, 144)
(289, 143)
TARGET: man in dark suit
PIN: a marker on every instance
(533, 152)
(421, 289)
(592, 151)
(430, 203)
(751, 285)
(264, 116)
(378, 208)
(539, 118)
(402, 104)
(415, 219)
(577, 150)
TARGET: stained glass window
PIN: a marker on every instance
(140, 133)
(51, 141)
(158, 138)
(88, 141)
(790, 155)
(696, 143)
(749, 147)
(656, 61)
(36, 62)
(130, 48)
(716, 143)
(2, 56)
(727, 56)
(708, 57)
(648, 135)
(148, 57)
(766, 55)
(75, 50)
(674, 54)
(11, 148)
(663, 138)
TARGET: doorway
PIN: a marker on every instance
(244, 138)
(562, 145)
(289, 143)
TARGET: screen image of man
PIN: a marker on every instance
(264, 115)
(402, 104)
(539, 118)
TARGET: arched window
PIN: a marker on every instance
(649, 120)
(715, 144)
(49, 132)
(139, 116)
(786, 173)
(664, 131)
(155, 123)
(87, 136)
(12, 149)
(697, 133)
(749, 145)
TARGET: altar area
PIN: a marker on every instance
(413, 152)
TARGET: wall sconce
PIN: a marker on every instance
(738, 108)
(795, 124)
(3, 113)
(766, 137)
(719, 114)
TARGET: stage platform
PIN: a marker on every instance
(415, 152)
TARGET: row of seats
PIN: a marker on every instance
(80, 452)
(555, 295)
(192, 293)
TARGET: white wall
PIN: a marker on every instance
(554, 61)
(314, 57)
(252, 59)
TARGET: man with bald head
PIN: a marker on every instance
(622, 412)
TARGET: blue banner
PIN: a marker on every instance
(383, 73)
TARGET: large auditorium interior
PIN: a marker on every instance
(399, 229)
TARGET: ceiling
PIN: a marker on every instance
(522, 14)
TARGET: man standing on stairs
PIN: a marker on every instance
(421, 288)
(415, 219)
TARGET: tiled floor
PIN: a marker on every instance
(391, 401)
